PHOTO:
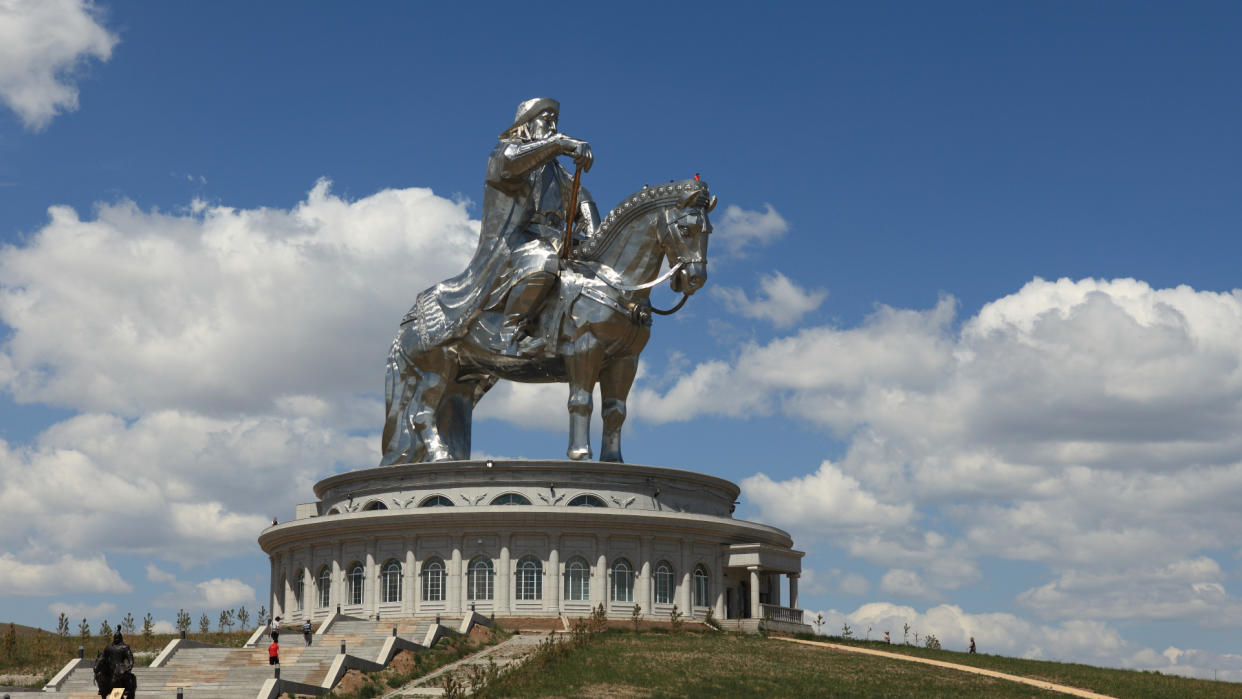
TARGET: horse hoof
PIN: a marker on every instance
(614, 457)
(580, 454)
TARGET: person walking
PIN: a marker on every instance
(273, 654)
(306, 631)
(972, 644)
(273, 628)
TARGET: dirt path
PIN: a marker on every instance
(964, 668)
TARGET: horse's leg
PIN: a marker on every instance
(438, 371)
(615, 381)
(582, 364)
(456, 415)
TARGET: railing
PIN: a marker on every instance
(774, 613)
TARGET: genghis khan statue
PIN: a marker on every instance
(526, 201)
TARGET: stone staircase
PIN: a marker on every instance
(234, 673)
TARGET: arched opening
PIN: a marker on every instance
(325, 586)
(436, 501)
(433, 580)
(391, 582)
(586, 501)
(356, 576)
(529, 578)
(664, 583)
(577, 580)
(480, 579)
(622, 581)
(511, 499)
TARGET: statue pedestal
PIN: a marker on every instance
(519, 538)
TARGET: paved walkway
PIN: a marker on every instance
(954, 666)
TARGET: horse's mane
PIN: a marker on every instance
(635, 205)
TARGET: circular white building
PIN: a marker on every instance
(530, 539)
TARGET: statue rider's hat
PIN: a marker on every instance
(529, 110)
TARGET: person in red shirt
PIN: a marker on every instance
(273, 654)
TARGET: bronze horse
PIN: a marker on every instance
(591, 330)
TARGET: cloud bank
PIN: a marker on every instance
(43, 44)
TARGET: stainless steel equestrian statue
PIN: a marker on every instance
(551, 294)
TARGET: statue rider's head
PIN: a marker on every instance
(117, 638)
(535, 119)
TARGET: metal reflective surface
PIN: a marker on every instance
(525, 310)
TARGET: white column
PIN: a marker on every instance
(455, 582)
(755, 612)
(409, 588)
(793, 590)
(552, 581)
(504, 580)
(642, 586)
(599, 581)
(338, 575)
(683, 597)
(369, 577)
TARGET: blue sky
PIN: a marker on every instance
(971, 334)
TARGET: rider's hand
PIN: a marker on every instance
(580, 151)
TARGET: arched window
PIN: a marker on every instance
(529, 578)
(577, 580)
(299, 590)
(433, 580)
(479, 579)
(436, 501)
(375, 505)
(700, 586)
(586, 501)
(392, 581)
(622, 581)
(511, 499)
(356, 575)
(325, 586)
(334, 511)
(664, 583)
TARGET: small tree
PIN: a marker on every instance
(916, 638)
(932, 642)
(148, 626)
(262, 616)
(243, 618)
(868, 632)
(905, 633)
(204, 624)
(128, 622)
(819, 623)
(105, 629)
(183, 621)
(636, 615)
(846, 631)
(10, 642)
(84, 629)
(62, 626)
(674, 620)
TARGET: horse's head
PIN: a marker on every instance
(685, 235)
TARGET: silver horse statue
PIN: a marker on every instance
(591, 330)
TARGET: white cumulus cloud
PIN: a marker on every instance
(65, 575)
(780, 301)
(739, 229)
(43, 43)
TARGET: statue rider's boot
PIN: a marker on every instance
(525, 298)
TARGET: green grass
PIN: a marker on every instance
(1121, 683)
(712, 665)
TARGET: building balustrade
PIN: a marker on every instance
(774, 612)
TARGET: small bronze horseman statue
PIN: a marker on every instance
(551, 294)
(114, 668)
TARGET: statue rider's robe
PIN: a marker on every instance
(522, 228)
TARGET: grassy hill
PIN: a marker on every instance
(618, 663)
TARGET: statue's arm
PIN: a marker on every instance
(586, 221)
(517, 159)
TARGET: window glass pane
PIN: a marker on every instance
(577, 580)
(700, 587)
(511, 499)
(664, 584)
(622, 582)
(433, 581)
(355, 585)
(586, 501)
(392, 582)
(436, 501)
(529, 578)
(325, 587)
(479, 580)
